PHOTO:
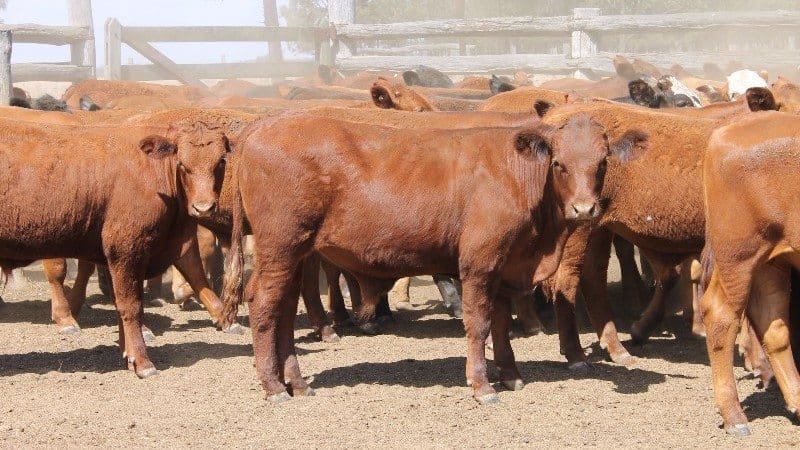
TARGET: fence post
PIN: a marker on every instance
(5, 68)
(83, 53)
(113, 49)
(341, 12)
(582, 43)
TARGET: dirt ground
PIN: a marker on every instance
(401, 389)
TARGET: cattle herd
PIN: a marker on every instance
(501, 190)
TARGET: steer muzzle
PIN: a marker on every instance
(582, 210)
(202, 209)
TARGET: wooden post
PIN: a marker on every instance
(5, 68)
(460, 12)
(341, 12)
(582, 44)
(271, 20)
(80, 15)
(113, 49)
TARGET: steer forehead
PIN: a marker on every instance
(580, 138)
(198, 142)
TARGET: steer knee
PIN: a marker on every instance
(776, 338)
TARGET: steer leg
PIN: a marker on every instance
(594, 280)
(77, 294)
(562, 290)
(722, 312)
(503, 353)
(477, 322)
(526, 313)
(313, 301)
(274, 285)
(335, 298)
(402, 288)
(372, 296)
(128, 292)
(287, 357)
(633, 287)
(768, 311)
(450, 290)
(155, 291)
(55, 270)
(191, 267)
(755, 360)
(665, 277)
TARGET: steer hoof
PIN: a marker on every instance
(148, 335)
(191, 305)
(624, 359)
(738, 430)
(147, 373)
(581, 367)
(328, 335)
(280, 397)
(69, 329)
(305, 392)
(488, 399)
(638, 336)
(404, 306)
(514, 385)
(157, 302)
(370, 329)
(234, 329)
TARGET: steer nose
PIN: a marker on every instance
(583, 211)
(203, 208)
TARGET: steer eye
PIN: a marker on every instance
(557, 166)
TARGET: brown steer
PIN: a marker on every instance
(753, 232)
(488, 204)
(124, 200)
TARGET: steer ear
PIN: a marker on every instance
(534, 143)
(157, 147)
(629, 146)
(760, 99)
(542, 106)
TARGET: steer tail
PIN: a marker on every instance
(234, 263)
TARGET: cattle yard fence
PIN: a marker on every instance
(575, 45)
(79, 35)
(163, 68)
(577, 38)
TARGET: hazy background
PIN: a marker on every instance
(144, 12)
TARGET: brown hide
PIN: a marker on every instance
(787, 95)
(146, 103)
(753, 231)
(104, 91)
(232, 87)
(522, 100)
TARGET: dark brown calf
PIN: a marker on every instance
(124, 200)
(489, 204)
(753, 232)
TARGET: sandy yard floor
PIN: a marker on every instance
(401, 389)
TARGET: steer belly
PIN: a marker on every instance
(391, 234)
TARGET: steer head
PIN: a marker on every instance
(580, 151)
(199, 152)
(388, 95)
